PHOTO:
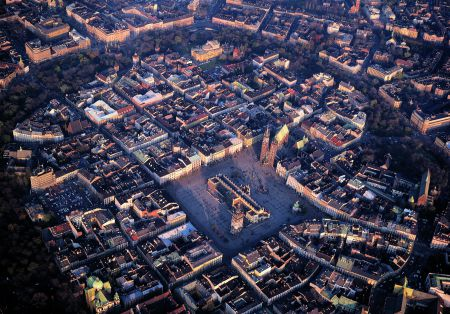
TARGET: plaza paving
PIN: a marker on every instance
(213, 217)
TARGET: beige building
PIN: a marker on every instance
(424, 122)
(29, 132)
(109, 36)
(208, 51)
(410, 32)
(8, 71)
(38, 51)
(52, 28)
(389, 93)
(384, 74)
(42, 178)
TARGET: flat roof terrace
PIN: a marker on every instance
(213, 217)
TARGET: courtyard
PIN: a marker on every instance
(211, 216)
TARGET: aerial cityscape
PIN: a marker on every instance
(225, 156)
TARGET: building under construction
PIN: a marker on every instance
(239, 201)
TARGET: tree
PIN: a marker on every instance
(178, 40)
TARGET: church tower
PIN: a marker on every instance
(265, 146)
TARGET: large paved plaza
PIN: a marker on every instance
(213, 217)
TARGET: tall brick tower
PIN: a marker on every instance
(279, 140)
(265, 146)
(355, 8)
(272, 153)
(422, 200)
